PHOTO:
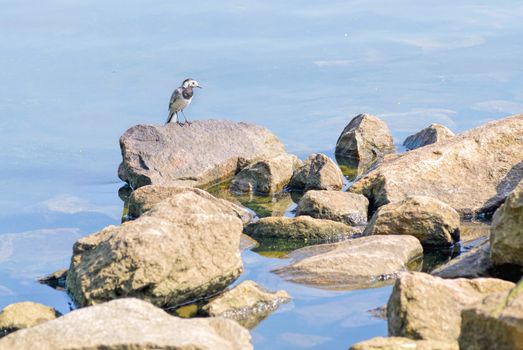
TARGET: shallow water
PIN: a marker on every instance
(76, 75)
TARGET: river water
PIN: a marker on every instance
(76, 75)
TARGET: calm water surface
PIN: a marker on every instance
(74, 76)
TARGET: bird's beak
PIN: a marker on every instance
(199, 86)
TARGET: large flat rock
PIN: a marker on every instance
(183, 248)
(357, 263)
(472, 172)
(199, 154)
(129, 324)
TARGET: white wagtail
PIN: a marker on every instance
(180, 99)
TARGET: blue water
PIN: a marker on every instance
(75, 75)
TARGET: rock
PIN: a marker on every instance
(144, 198)
(468, 171)
(303, 228)
(349, 208)
(247, 243)
(184, 248)
(422, 306)
(496, 322)
(357, 263)
(55, 280)
(473, 230)
(473, 264)
(366, 138)
(428, 219)
(129, 324)
(399, 343)
(266, 176)
(206, 152)
(247, 303)
(24, 315)
(318, 172)
(507, 230)
(431, 134)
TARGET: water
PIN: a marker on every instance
(76, 75)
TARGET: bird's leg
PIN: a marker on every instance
(177, 120)
(186, 121)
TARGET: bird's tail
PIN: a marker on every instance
(170, 117)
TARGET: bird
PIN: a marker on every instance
(180, 99)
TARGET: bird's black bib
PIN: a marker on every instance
(187, 92)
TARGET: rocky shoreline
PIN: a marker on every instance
(181, 244)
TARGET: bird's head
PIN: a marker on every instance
(190, 83)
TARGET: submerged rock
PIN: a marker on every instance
(473, 264)
(55, 280)
(203, 153)
(303, 228)
(422, 306)
(144, 198)
(349, 208)
(507, 230)
(357, 263)
(429, 220)
(318, 172)
(432, 134)
(129, 324)
(496, 322)
(399, 343)
(24, 315)
(468, 171)
(183, 248)
(366, 138)
(247, 303)
(266, 176)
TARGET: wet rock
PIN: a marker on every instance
(349, 208)
(473, 230)
(429, 220)
(24, 315)
(247, 243)
(266, 176)
(206, 152)
(144, 198)
(366, 138)
(473, 264)
(422, 306)
(318, 172)
(357, 263)
(468, 172)
(507, 230)
(399, 343)
(129, 324)
(247, 303)
(184, 248)
(496, 322)
(303, 228)
(55, 280)
(431, 134)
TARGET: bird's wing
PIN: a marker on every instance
(176, 95)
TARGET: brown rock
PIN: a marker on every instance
(468, 171)
(431, 134)
(206, 152)
(318, 172)
(399, 343)
(24, 315)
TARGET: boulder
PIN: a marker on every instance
(495, 322)
(266, 176)
(354, 264)
(432, 134)
(472, 264)
(303, 228)
(183, 248)
(422, 306)
(144, 198)
(349, 208)
(24, 315)
(428, 219)
(366, 139)
(247, 303)
(507, 230)
(129, 324)
(468, 171)
(206, 152)
(318, 172)
(399, 343)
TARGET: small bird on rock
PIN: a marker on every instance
(180, 99)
